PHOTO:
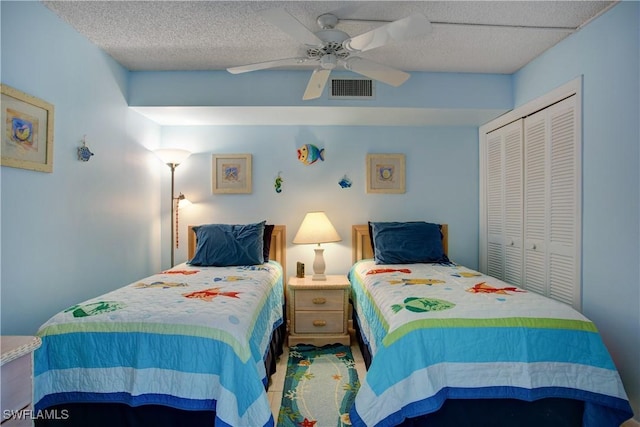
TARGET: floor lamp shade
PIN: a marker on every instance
(172, 156)
(316, 229)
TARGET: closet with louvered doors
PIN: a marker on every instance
(532, 201)
(552, 202)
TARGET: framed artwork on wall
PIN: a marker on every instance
(26, 131)
(231, 173)
(385, 173)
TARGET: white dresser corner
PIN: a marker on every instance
(16, 376)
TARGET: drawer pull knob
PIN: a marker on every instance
(319, 300)
(319, 323)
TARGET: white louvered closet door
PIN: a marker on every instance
(513, 203)
(535, 202)
(565, 200)
(504, 203)
(552, 207)
(495, 205)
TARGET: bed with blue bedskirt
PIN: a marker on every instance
(192, 345)
(439, 334)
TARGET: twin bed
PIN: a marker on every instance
(448, 346)
(194, 345)
(444, 345)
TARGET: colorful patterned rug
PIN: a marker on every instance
(319, 387)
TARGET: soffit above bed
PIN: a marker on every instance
(315, 116)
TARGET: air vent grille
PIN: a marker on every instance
(352, 88)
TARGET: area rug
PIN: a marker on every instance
(319, 388)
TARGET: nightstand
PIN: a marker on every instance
(17, 378)
(318, 310)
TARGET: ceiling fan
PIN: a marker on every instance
(330, 48)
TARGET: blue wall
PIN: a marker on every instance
(606, 52)
(442, 181)
(90, 227)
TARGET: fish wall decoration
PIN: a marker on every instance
(309, 154)
(345, 182)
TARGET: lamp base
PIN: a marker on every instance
(318, 265)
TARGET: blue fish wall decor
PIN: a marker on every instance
(345, 182)
(309, 154)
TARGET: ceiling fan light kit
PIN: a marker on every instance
(331, 48)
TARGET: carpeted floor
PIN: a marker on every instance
(319, 386)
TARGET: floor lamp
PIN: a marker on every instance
(172, 157)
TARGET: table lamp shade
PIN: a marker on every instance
(316, 228)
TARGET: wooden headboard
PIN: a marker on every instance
(361, 241)
(277, 251)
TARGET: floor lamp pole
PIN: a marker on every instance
(172, 157)
(173, 168)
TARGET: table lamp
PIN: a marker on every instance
(316, 229)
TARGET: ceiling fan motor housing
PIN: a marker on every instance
(332, 44)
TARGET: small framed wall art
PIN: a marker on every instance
(231, 173)
(26, 131)
(385, 173)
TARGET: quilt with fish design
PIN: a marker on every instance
(443, 331)
(192, 338)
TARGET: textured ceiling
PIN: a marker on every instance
(479, 36)
(467, 36)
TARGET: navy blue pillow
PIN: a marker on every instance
(407, 242)
(266, 241)
(220, 245)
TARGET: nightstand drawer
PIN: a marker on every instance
(319, 322)
(322, 299)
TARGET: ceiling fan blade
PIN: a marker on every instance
(376, 71)
(402, 29)
(316, 84)
(268, 64)
(347, 10)
(290, 25)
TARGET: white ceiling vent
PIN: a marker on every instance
(352, 89)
